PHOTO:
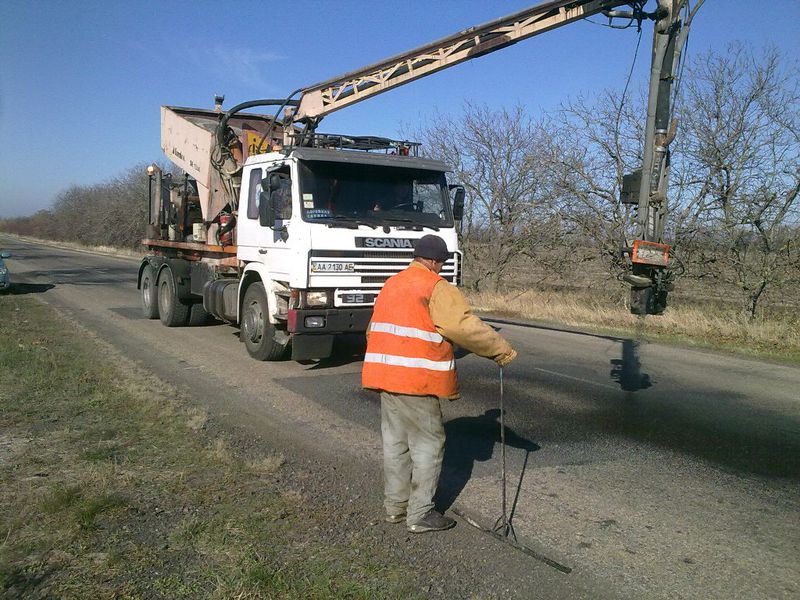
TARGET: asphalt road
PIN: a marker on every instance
(649, 471)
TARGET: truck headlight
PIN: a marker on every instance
(317, 298)
(314, 322)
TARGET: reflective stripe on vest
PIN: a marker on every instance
(405, 361)
(412, 332)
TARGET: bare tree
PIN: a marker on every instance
(739, 216)
(595, 143)
(499, 158)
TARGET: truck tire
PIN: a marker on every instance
(171, 311)
(257, 333)
(149, 293)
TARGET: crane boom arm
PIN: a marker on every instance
(326, 97)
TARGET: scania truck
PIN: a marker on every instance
(292, 244)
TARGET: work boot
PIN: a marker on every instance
(395, 518)
(432, 521)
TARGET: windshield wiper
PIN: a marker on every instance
(349, 222)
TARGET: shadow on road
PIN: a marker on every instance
(18, 289)
(470, 440)
(627, 371)
(489, 319)
(715, 425)
(347, 349)
(83, 275)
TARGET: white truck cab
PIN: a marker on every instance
(323, 230)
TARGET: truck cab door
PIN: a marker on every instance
(256, 240)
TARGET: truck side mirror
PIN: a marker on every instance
(266, 211)
(458, 201)
(5, 254)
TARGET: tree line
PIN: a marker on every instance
(543, 193)
(111, 213)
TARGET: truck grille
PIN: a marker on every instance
(376, 266)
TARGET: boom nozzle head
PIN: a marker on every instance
(218, 100)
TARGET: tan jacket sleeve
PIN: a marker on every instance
(453, 318)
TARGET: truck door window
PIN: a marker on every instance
(254, 194)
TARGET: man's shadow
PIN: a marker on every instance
(471, 439)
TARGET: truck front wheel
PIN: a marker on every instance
(171, 310)
(149, 293)
(259, 335)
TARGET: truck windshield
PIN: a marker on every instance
(348, 194)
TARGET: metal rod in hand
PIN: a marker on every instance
(503, 524)
(503, 440)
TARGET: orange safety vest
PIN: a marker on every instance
(405, 354)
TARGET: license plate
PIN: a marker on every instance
(332, 267)
(357, 298)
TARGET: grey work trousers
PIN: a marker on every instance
(413, 448)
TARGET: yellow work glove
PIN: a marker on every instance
(506, 358)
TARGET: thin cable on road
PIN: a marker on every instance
(581, 379)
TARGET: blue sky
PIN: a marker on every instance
(81, 82)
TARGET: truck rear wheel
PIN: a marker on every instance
(172, 312)
(257, 333)
(149, 293)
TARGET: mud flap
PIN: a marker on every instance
(305, 347)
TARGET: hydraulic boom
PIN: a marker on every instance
(324, 98)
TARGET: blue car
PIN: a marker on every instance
(5, 282)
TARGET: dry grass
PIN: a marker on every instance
(111, 487)
(710, 324)
(267, 465)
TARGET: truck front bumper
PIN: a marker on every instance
(328, 320)
(313, 330)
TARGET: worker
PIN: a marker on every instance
(418, 318)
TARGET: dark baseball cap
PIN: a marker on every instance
(433, 247)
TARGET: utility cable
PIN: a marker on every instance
(628, 80)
